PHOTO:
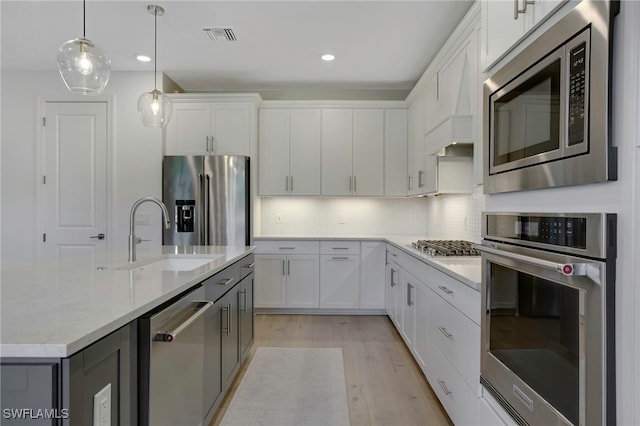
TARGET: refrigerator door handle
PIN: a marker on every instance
(207, 208)
(201, 210)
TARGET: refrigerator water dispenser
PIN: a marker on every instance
(185, 210)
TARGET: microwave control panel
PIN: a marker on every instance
(577, 85)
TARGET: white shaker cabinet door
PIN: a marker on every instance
(395, 152)
(372, 274)
(231, 127)
(408, 297)
(189, 129)
(305, 154)
(270, 281)
(337, 141)
(339, 281)
(274, 152)
(368, 152)
(303, 281)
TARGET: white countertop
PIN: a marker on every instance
(466, 269)
(58, 308)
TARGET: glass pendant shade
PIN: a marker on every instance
(83, 66)
(154, 108)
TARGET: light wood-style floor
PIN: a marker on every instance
(384, 384)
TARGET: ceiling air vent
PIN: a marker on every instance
(220, 34)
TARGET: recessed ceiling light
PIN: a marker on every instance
(141, 57)
(327, 57)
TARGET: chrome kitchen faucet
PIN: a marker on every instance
(132, 233)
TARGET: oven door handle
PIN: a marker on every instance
(563, 268)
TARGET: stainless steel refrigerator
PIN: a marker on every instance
(208, 198)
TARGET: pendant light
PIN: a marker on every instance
(155, 107)
(83, 66)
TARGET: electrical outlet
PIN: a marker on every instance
(143, 219)
(341, 218)
(278, 217)
(102, 407)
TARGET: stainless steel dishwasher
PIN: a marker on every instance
(172, 359)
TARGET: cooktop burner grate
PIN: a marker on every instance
(446, 247)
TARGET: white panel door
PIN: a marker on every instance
(337, 137)
(274, 152)
(395, 152)
(305, 153)
(368, 152)
(74, 203)
(372, 275)
(339, 281)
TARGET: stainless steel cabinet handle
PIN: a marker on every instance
(100, 236)
(409, 295)
(340, 258)
(445, 331)
(206, 203)
(444, 387)
(283, 267)
(563, 268)
(420, 174)
(445, 289)
(225, 282)
(244, 304)
(393, 278)
(517, 10)
(207, 138)
(286, 248)
(288, 266)
(227, 330)
(250, 265)
(170, 336)
(339, 248)
(230, 322)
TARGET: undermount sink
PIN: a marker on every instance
(173, 263)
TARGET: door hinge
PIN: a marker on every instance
(44, 238)
(44, 179)
(44, 121)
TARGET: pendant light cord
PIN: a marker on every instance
(84, 19)
(155, 47)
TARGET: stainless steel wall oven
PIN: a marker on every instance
(548, 303)
(547, 110)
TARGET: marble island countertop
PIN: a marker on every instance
(466, 269)
(55, 309)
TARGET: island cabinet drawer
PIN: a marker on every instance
(460, 402)
(217, 285)
(461, 296)
(247, 265)
(287, 247)
(339, 247)
(457, 337)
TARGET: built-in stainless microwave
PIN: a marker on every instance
(547, 111)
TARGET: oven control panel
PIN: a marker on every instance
(554, 230)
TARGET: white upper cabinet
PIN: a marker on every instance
(208, 128)
(289, 152)
(337, 153)
(415, 160)
(395, 152)
(368, 152)
(503, 26)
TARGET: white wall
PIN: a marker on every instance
(135, 162)
(321, 216)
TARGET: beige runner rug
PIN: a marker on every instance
(291, 386)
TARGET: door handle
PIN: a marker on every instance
(100, 236)
(444, 387)
(226, 309)
(409, 295)
(517, 10)
(445, 331)
(207, 138)
(171, 335)
(225, 282)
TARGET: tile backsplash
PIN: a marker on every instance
(446, 216)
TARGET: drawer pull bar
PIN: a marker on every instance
(250, 265)
(444, 387)
(340, 248)
(445, 289)
(286, 248)
(340, 258)
(444, 331)
(225, 282)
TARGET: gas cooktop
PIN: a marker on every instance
(446, 247)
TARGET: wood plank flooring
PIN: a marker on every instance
(384, 384)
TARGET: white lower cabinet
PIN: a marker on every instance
(372, 275)
(339, 281)
(408, 285)
(421, 340)
(286, 281)
(392, 298)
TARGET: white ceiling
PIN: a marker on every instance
(379, 45)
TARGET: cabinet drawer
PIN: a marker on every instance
(457, 337)
(247, 265)
(457, 399)
(339, 247)
(287, 247)
(217, 285)
(461, 296)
